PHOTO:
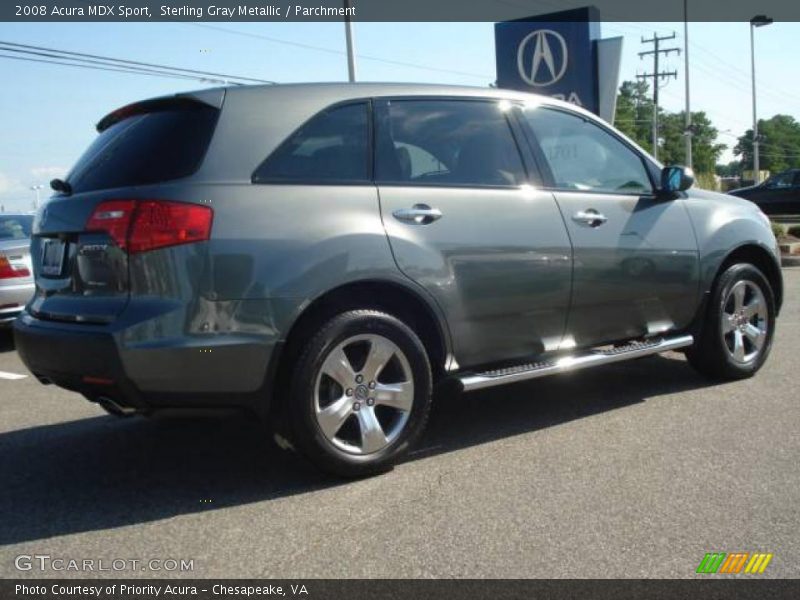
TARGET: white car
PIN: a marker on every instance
(16, 273)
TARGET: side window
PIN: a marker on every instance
(582, 156)
(417, 161)
(15, 228)
(330, 148)
(781, 180)
(447, 142)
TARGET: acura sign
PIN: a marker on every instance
(560, 55)
(529, 70)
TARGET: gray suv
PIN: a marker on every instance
(324, 254)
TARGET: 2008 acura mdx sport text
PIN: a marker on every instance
(322, 254)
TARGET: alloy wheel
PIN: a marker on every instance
(363, 394)
(745, 321)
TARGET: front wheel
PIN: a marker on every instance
(737, 335)
(361, 393)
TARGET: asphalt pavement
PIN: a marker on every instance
(632, 470)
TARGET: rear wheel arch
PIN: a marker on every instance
(334, 418)
(393, 298)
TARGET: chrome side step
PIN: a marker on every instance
(591, 358)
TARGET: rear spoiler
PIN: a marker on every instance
(214, 97)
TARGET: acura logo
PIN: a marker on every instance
(544, 68)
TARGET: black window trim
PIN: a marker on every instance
(370, 180)
(548, 177)
(381, 111)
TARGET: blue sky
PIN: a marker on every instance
(47, 112)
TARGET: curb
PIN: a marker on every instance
(790, 260)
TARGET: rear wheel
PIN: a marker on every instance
(361, 393)
(737, 334)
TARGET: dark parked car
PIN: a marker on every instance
(779, 195)
(323, 254)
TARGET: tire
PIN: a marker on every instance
(736, 337)
(360, 394)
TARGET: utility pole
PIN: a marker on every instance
(757, 21)
(36, 189)
(688, 132)
(656, 75)
(348, 33)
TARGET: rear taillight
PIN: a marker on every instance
(10, 270)
(142, 225)
(113, 217)
(158, 224)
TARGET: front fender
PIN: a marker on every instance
(724, 225)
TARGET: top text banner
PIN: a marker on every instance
(387, 10)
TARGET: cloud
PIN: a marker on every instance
(47, 173)
(8, 185)
(15, 189)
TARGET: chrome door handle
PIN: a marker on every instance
(589, 217)
(419, 214)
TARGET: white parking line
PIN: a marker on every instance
(7, 375)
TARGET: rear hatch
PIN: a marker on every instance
(83, 236)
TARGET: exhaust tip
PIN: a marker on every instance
(112, 407)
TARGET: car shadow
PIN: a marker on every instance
(103, 472)
(6, 339)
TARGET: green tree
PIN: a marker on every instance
(732, 169)
(634, 118)
(634, 115)
(705, 149)
(779, 148)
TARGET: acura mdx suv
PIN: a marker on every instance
(323, 254)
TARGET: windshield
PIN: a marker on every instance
(15, 227)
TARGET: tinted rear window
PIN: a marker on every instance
(160, 145)
(330, 148)
(15, 227)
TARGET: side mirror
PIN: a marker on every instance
(676, 179)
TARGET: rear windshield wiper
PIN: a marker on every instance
(59, 185)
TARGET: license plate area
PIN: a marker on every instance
(53, 251)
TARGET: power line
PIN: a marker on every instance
(87, 62)
(736, 81)
(131, 64)
(716, 68)
(82, 66)
(338, 52)
(656, 76)
(777, 150)
(735, 72)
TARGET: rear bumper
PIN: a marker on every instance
(81, 361)
(213, 372)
